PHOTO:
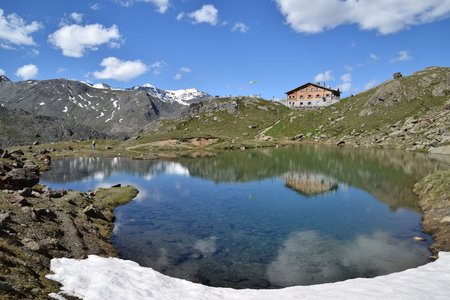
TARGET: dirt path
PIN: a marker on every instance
(262, 135)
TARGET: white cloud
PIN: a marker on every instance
(61, 70)
(161, 5)
(325, 76)
(207, 14)
(373, 56)
(370, 84)
(157, 66)
(181, 71)
(180, 16)
(346, 77)
(33, 53)
(384, 16)
(185, 70)
(241, 27)
(27, 72)
(2, 72)
(402, 56)
(76, 17)
(121, 70)
(95, 6)
(346, 84)
(15, 31)
(74, 39)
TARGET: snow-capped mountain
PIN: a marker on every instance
(183, 97)
(3, 78)
(113, 111)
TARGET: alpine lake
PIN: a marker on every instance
(265, 218)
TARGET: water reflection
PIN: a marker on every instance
(307, 257)
(310, 184)
(265, 218)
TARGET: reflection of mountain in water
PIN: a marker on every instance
(310, 184)
(85, 168)
(388, 175)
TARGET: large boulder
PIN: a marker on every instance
(18, 179)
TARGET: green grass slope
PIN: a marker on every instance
(410, 111)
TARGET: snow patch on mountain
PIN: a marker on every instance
(183, 97)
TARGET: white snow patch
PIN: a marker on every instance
(105, 87)
(120, 121)
(59, 99)
(87, 94)
(42, 103)
(63, 85)
(100, 86)
(101, 115)
(65, 109)
(112, 278)
(179, 96)
(115, 103)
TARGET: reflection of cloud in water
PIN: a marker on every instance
(99, 175)
(182, 191)
(206, 246)
(116, 228)
(309, 258)
(163, 258)
(173, 168)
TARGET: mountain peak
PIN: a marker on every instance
(3, 78)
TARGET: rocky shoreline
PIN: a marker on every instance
(434, 195)
(38, 224)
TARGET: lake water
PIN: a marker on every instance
(266, 218)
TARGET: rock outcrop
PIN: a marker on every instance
(38, 224)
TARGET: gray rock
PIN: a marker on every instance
(31, 244)
(18, 179)
(31, 166)
(298, 137)
(4, 154)
(56, 193)
(4, 219)
(93, 212)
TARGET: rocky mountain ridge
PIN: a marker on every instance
(116, 113)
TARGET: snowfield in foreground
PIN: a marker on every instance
(113, 278)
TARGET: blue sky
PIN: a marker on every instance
(222, 46)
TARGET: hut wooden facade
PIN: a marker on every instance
(310, 95)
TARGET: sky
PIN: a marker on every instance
(232, 47)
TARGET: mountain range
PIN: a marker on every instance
(85, 110)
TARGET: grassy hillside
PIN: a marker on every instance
(230, 122)
(407, 113)
(385, 109)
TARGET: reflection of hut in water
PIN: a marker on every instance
(310, 184)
